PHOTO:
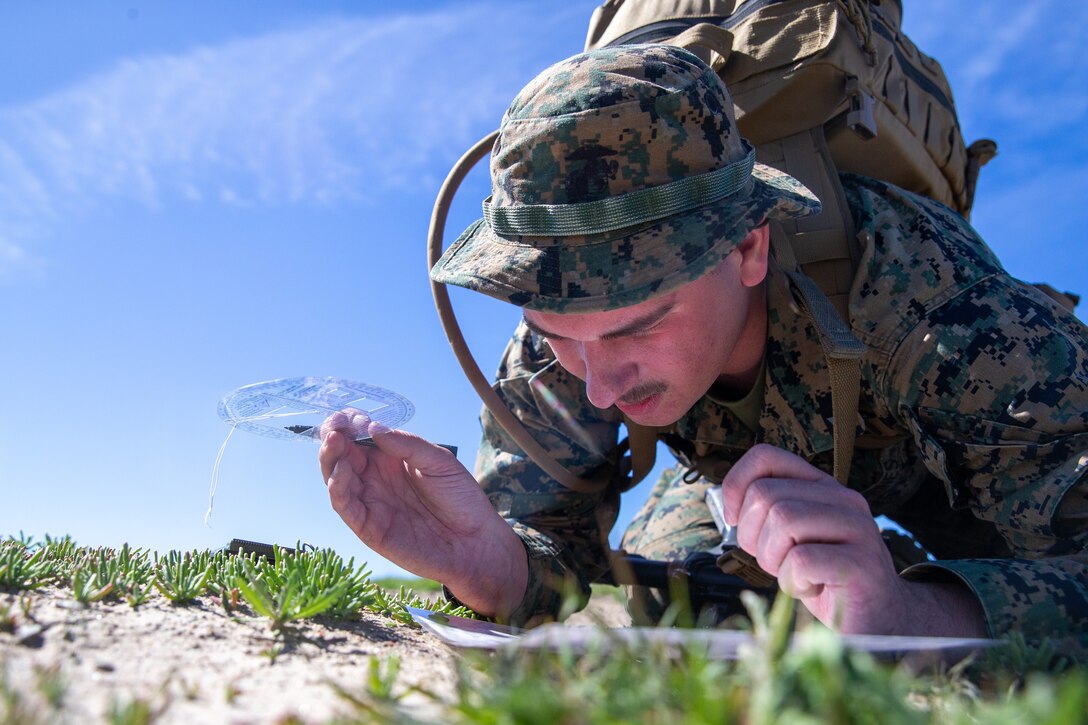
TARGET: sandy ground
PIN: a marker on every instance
(198, 664)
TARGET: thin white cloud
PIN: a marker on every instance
(1006, 39)
(1014, 67)
(337, 111)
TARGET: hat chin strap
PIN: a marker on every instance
(480, 383)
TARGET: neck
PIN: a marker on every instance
(739, 374)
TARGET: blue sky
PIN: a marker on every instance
(199, 196)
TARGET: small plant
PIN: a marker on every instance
(229, 599)
(133, 712)
(135, 575)
(63, 552)
(21, 569)
(182, 578)
(51, 685)
(98, 574)
(15, 706)
(286, 598)
(273, 651)
(324, 568)
(378, 702)
(89, 584)
(7, 617)
(817, 676)
(140, 710)
(393, 605)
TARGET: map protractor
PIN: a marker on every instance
(294, 408)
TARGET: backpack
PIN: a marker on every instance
(844, 66)
(818, 87)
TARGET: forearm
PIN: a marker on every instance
(943, 609)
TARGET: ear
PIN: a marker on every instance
(754, 249)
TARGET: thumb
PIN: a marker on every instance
(417, 452)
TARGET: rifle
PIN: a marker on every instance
(697, 579)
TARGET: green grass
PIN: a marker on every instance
(289, 588)
(816, 681)
(183, 577)
(22, 567)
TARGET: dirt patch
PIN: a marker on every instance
(199, 664)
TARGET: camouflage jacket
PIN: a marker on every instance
(973, 424)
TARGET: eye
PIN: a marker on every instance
(651, 328)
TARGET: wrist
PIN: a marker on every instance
(495, 584)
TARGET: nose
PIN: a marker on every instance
(606, 377)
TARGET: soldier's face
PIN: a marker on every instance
(654, 360)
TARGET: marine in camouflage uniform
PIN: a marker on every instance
(973, 418)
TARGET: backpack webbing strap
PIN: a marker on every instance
(842, 352)
(825, 245)
(821, 254)
(705, 40)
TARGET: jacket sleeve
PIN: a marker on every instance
(993, 386)
(990, 379)
(565, 532)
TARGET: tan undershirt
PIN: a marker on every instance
(747, 407)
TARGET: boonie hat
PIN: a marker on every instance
(618, 175)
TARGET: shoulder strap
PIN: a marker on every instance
(820, 254)
(842, 351)
(825, 245)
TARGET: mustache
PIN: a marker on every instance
(642, 391)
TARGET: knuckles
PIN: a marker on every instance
(763, 455)
(784, 515)
(855, 500)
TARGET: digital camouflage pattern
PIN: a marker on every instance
(973, 428)
(628, 133)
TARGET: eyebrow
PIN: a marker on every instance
(639, 324)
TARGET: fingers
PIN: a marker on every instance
(341, 482)
(817, 536)
(332, 450)
(791, 524)
(814, 570)
(337, 433)
(770, 496)
(352, 422)
(763, 462)
(415, 451)
(810, 569)
(340, 430)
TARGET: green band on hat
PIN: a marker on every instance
(617, 212)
